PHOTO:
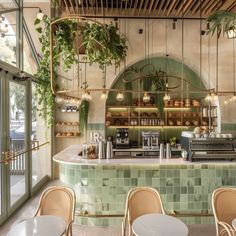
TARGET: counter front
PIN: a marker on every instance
(101, 186)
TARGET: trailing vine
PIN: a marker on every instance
(103, 45)
(63, 51)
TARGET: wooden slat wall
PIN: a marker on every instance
(145, 8)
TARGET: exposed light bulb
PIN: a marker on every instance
(146, 97)
(226, 101)
(104, 95)
(78, 102)
(40, 15)
(58, 99)
(120, 96)
(67, 101)
(166, 97)
(86, 96)
(231, 99)
(208, 97)
(214, 96)
(234, 97)
(73, 101)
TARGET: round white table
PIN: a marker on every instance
(234, 223)
(158, 225)
(39, 226)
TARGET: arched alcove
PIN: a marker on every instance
(183, 85)
(170, 66)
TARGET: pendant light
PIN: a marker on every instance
(86, 94)
(120, 97)
(234, 95)
(214, 95)
(166, 97)
(146, 97)
(104, 94)
(208, 96)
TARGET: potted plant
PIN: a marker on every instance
(221, 22)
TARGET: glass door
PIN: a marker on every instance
(14, 167)
(17, 146)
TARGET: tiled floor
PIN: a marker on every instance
(29, 208)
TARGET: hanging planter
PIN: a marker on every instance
(101, 43)
(222, 22)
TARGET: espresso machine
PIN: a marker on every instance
(122, 138)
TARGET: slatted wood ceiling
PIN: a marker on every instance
(144, 8)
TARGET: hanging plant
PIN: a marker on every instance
(103, 44)
(63, 50)
(221, 22)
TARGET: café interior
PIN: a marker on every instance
(117, 117)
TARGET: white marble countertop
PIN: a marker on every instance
(70, 156)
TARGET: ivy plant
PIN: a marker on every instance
(103, 44)
(63, 50)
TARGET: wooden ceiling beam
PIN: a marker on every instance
(226, 5)
(146, 7)
(199, 4)
(159, 10)
(150, 7)
(188, 9)
(140, 7)
(165, 7)
(181, 8)
(102, 8)
(211, 7)
(135, 6)
(187, 5)
(67, 7)
(155, 6)
(93, 6)
(87, 5)
(233, 8)
(72, 6)
(172, 6)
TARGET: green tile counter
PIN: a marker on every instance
(101, 187)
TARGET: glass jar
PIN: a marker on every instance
(90, 150)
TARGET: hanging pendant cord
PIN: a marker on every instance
(234, 65)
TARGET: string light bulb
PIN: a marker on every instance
(104, 95)
(59, 99)
(166, 97)
(146, 97)
(226, 101)
(234, 97)
(120, 97)
(40, 15)
(208, 97)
